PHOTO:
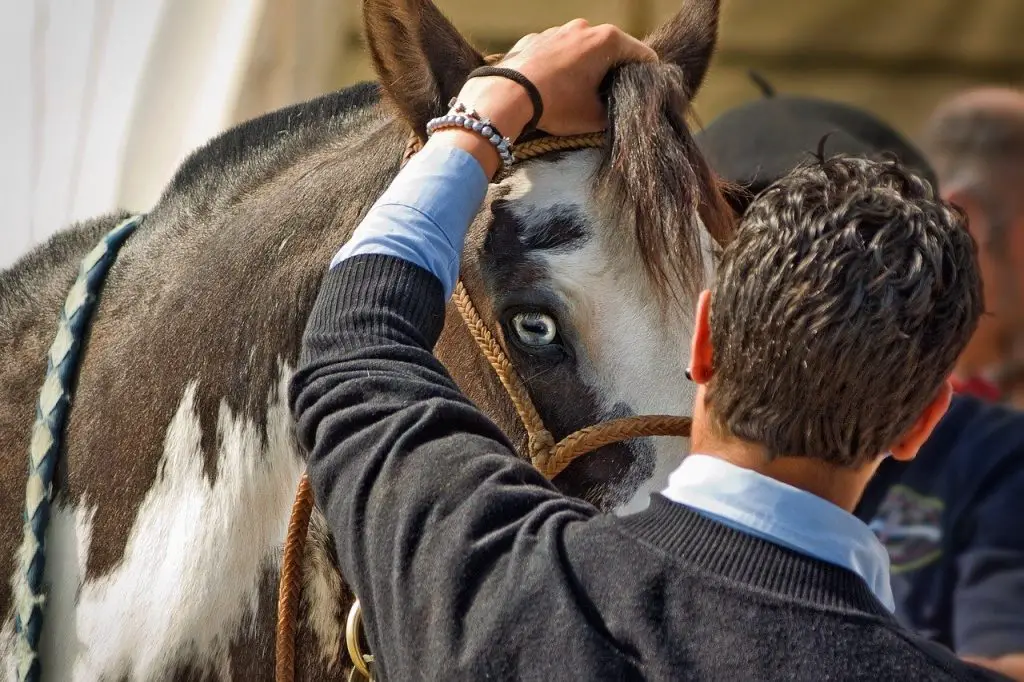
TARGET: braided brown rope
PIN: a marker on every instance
(533, 148)
(550, 458)
(549, 145)
(614, 431)
(290, 586)
(540, 441)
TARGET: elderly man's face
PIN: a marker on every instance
(1000, 236)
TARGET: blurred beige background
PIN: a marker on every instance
(895, 57)
(105, 98)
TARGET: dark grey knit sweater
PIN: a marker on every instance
(471, 566)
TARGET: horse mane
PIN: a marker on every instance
(227, 150)
(651, 165)
(653, 168)
(52, 263)
(22, 282)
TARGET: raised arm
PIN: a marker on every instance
(436, 523)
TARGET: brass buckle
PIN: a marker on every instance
(361, 662)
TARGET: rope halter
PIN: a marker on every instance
(549, 457)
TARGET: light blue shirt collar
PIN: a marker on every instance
(754, 503)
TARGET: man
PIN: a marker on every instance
(750, 566)
(950, 517)
(975, 140)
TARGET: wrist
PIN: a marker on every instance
(506, 103)
(473, 143)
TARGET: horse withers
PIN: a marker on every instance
(174, 487)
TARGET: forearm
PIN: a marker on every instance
(423, 216)
(431, 512)
(415, 481)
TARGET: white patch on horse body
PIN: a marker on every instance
(629, 350)
(194, 560)
(67, 548)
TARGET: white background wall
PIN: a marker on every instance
(101, 99)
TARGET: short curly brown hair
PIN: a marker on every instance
(839, 309)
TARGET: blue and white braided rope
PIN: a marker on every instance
(45, 447)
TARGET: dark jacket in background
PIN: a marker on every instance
(953, 522)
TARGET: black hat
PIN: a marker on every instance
(756, 144)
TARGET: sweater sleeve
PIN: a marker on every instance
(425, 213)
(446, 537)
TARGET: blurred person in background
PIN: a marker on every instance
(975, 142)
(951, 519)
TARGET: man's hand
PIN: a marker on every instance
(566, 64)
(1011, 665)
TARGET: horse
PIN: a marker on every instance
(174, 486)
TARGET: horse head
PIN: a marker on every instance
(585, 262)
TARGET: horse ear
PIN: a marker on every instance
(688, 40)
(421, 59)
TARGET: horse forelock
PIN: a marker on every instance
(656, 184)
(649, 183)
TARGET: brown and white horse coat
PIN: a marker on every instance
(176, 483)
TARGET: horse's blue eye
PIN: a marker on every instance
(535, 329)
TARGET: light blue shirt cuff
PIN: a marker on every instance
(424, 215)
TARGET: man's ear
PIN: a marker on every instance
(906, 449)
(700, 348)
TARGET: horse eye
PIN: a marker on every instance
(535, 330)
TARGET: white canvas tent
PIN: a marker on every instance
(102, 99)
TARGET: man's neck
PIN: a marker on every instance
(841, 486)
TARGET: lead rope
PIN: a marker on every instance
(47, 443)
(548, 457)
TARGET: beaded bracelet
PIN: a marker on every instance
(460, 117)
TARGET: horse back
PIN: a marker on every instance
(32, 292)
(180, 462)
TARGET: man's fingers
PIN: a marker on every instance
(521, 43)
(630, 49)
(619, 46)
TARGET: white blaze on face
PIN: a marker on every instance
(194, 561)
(629, 351)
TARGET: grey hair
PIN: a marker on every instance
(978, 148)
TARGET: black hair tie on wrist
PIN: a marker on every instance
(513, 75)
